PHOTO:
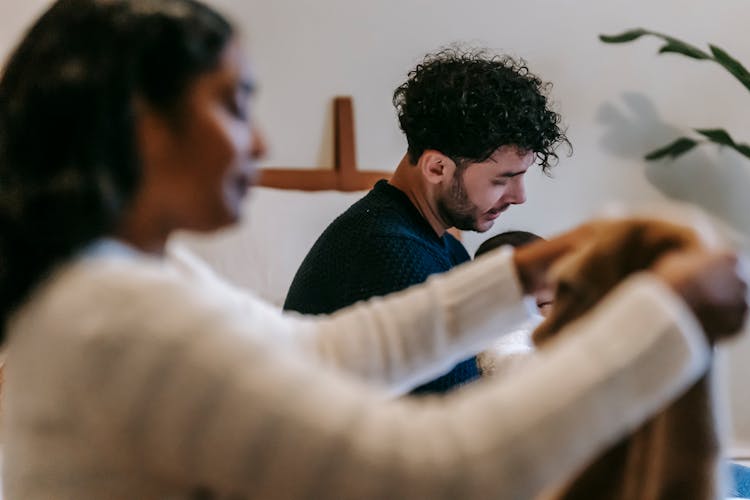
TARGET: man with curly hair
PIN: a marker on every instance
(475, 123)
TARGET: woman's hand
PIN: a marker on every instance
(710, 284)
(707, 280)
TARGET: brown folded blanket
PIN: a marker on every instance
(673, 456)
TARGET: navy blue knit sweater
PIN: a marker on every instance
(380, 245)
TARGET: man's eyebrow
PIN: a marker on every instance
(512, 174)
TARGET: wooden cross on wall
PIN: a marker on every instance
(344, 175)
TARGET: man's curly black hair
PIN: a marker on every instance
(466, 104)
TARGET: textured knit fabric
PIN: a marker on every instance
(380, 245)
(128, 380)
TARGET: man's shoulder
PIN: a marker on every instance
(364, 241)
(370, 218)
(350, 262)
(375, 247)
(375, 230)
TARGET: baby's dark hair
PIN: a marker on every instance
(513, 238)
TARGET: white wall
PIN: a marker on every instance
(15, 16)
(618, 101)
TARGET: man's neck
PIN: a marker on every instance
(408, 180)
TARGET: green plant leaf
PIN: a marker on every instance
(732, 65)
(743, 149)
(672, 45)
(723, 138)
(627, 36)
(717, 135)
(677, 47)
(673, 150)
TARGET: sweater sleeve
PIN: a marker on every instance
(402, 340)
(412, 336)
(193, 400)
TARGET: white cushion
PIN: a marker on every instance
(265, 249)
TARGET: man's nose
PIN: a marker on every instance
(516, 193)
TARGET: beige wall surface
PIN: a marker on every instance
(617, 101)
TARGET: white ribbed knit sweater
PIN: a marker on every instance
(129, 380)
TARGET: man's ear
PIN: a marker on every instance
(435, 166)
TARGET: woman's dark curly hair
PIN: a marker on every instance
(69, 165)
(466, 104)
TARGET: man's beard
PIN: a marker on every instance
(455, 208)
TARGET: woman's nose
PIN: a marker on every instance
(258, 144)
